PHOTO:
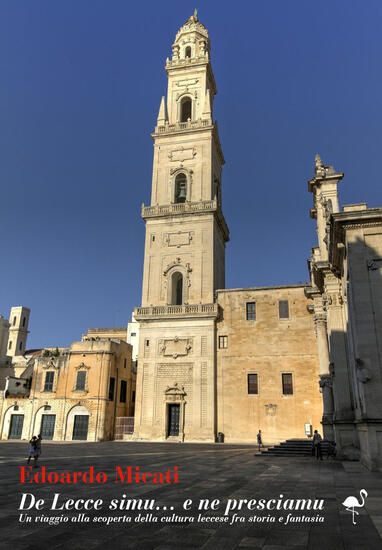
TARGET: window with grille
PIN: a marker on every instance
(223, 342)
(287, 384)
(253, 386)
(111, 388)
(49, 379)
(81, 380)
(283, 309)
(123, 392)
(251, 311)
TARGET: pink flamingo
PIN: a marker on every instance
(351, 502)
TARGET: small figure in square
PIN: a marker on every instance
(32, 449)
(259, 440)
(317, 439)
(38, 449)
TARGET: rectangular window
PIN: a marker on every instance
(223, 342)
(124, 363)
(81, 379)
(287, 384)
(123, 392)
(133, 334)
(283, 309)
(49, 379)
(147, 343)
(251, 311)
(133, 396)
(111, 388)
(253, 387)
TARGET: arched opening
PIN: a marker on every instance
(185, 109)
(177, 289)
(187, 52)
(180, 188)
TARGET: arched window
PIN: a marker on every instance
(180, 188)
(177, 289)
(187, 52)
(185, 109)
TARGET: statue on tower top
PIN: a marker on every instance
(193, 24)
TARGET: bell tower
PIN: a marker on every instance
(184, 260)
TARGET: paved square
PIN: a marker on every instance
(206, 472)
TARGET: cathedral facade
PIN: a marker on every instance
(211, 360)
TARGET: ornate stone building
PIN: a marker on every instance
(346, 294)
(75, 393)
(199, 370)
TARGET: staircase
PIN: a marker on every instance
(294, 447)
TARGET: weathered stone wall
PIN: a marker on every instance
(268, 347)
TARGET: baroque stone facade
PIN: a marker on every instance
(69, 394)
(346, 293)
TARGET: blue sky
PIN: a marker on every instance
(80, 89)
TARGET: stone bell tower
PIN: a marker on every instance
(184, 253)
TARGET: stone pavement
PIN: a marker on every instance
(206, 472)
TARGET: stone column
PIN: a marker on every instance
(343, 418)
(325, 377)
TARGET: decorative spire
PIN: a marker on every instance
(195, 14)
(207, 110)
(162, 115)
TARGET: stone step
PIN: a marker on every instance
(294, 447)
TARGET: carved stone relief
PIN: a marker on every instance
(175, 393)
(175, 347)
(187, 82)
(270, 409)
(178, 239)
(182, 154)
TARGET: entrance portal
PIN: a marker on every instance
(47, 426)
(16, 427)
(173, 419)
(80, 428)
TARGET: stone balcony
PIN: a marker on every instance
(184, 208)
(186, 62)
(168, 128)
(178, 208)
(153, 313)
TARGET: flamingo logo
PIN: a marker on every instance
(351, 503)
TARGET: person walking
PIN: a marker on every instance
(317, 439)
(259, 440)
(32, 449)
(38, 450)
